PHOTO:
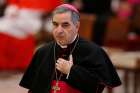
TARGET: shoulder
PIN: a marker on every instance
(89, 46)
(45, 46)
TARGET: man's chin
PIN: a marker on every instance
(62, 43)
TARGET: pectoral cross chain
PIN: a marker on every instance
(56, 87)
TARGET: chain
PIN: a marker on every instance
(61, 74)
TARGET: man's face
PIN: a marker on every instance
(64, 30)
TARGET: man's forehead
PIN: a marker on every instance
(63, 17)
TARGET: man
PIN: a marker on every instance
(69, 64)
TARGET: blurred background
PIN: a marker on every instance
(112, 24)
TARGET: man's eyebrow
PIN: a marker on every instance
(54, 22)
(65, 23)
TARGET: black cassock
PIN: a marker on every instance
(91, 72)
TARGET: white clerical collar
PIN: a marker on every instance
(65, 46)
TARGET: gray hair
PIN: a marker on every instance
(74, 15)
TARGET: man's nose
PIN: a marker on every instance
(59, 29)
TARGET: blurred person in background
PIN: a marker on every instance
(69, 64)
(102, 11)
(18, 27)
(134, 31)
(2, 7)
(134, 27)
(125, 10)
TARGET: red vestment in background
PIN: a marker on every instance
(17, 41)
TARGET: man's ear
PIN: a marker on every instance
(77, 26)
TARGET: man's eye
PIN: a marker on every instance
(55, 24)
(65, 25)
